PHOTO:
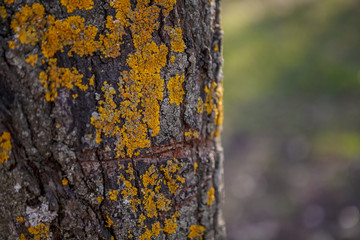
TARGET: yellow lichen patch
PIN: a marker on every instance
(3, 13)
(32, 59)
(70, 32)
(148, 234)
(20, 219)
(22, 237)
(5, 146)
(29, 23)
(55, 77)
(92, 80)
(65, 182)
(176, 39)
(196, 231)
(108, 222)
(141, 220)
(130, 171)
(172, 59)
(195, 167)
(167, 5)
(209, 104)
(190, 134)
(200, 106)
(176, 89)
(211, 196)
(144, 20)
(150, 177)
(75, 96)
(72, 5)
(170, 226)
(219, 110)
(113, 195)
(214, 102)
(170, 168)
(41, 231)
(111, 41)
(123, 8)
(9, 1)
(153, 200)
(12, 45)
(216, 48)
(140, 88)
(130, 193)
(100, 199)
(107, 117)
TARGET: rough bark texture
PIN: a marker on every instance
(110, 114)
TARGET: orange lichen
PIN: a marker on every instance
(41, 231)
(190, 134)
(9, 1)
(100, 199)
(167, 5)
(219, 113)
(196, 231)
(75, 96)
(153, 200)
(113, 195)
(92, 80)
(141, 220)
(214, 102)
(107, 118)
(200, 106)
(70, 32)
(211, 196)
(22, 237)
(72, 5)
(210, 104)
(140, 88)
(32, 59)
(172, 59)
(216, 48)
(111, 41)
(3, 13)
(12, 45)
(123, 8)
(129, 191)
(20, 219)
(5, 146)
(108, 222)
(176, 39)
(65, 182)
(170, 226)
(176, 89)
(28, 24)
(172, 167)
(148, 234)
(55, 77)
(195, 167)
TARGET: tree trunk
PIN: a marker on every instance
(110, 119)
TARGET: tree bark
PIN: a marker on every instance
(110, 115)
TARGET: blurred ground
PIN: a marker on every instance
(292, 119)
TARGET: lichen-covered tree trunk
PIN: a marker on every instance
(110, 114)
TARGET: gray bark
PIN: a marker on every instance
(60, 183)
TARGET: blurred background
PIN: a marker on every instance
(292, 119)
